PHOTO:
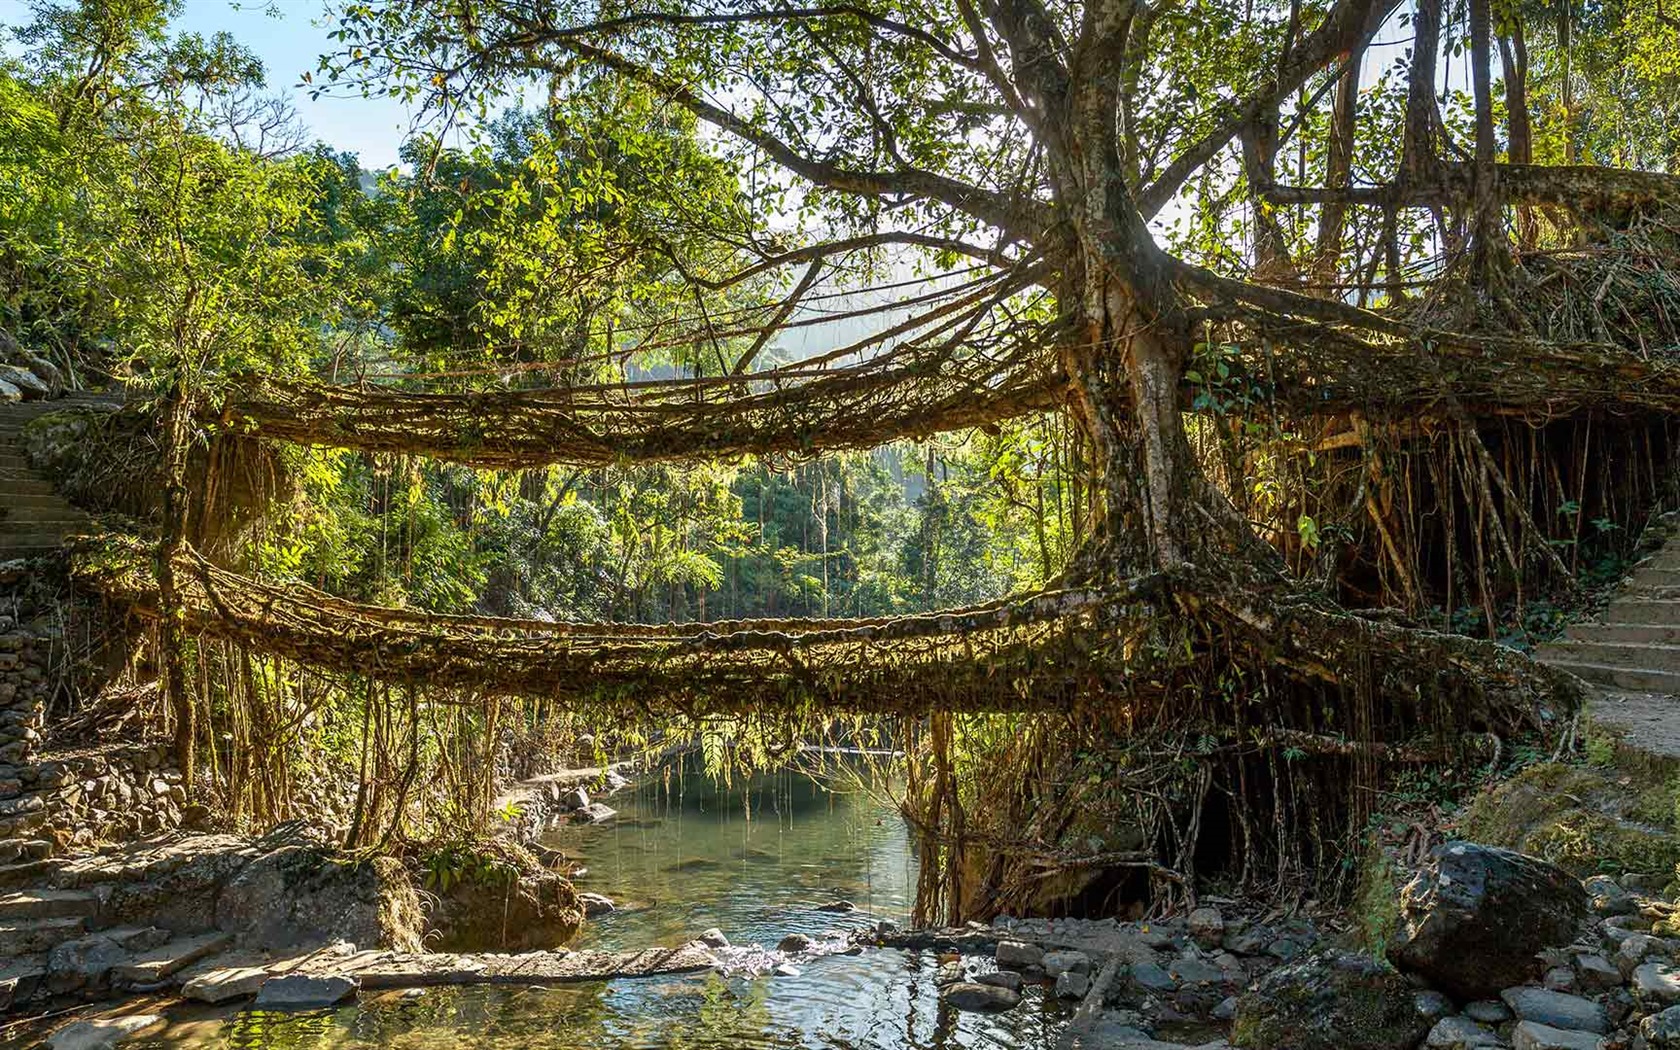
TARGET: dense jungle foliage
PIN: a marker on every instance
(162, 212)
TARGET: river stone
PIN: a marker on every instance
(220, 985)
(296, 991)
(1634, 950)
(1472, 920)
(1556, 1010)
(594, 904)
(9, 393)
(1019, 955)
(983, 998)
(795, 942)
(594, 813)
(577, 798)
(1330, 1001)
(1071, 984)
(101, 1033)
(1059, 962)
(1460, 1033)
(1433, 1004)
(1152, 978)
(713, 938)
(1001, 979)
(1488, 1011)
(27, 383)
(838, 907)
(785, 970)
(1528, 1035)
(1662, 1030)
(1656, 984)
(1195, 971)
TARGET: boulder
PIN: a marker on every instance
(713, 938)
(594, 813)
(981, 998)
(1330, 1001)
(1556, 1010)
(577, 798)
(296, 991)
(9, 393)
(27, 383)
(304, 894)
(1472, 920)
(594, 904)
(1528, 1035)
(1606, 897)
(102, 1032)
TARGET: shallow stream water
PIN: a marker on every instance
(755, 860)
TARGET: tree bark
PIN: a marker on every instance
(171, 619)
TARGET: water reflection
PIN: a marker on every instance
(882, 1000)
(754, 858)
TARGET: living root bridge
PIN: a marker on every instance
(1129, 649)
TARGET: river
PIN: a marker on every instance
(754, 859)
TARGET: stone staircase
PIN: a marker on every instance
(1630, 656)
(62, 934)
(34, 518)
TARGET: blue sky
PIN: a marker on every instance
(289, 36)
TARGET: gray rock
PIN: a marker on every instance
(1596, 973)
(1433, 1004)
(785, 970)
(1559, 979)
(1207, 927)
(1059, 962)
(594, 813)
(1002, 979)
(1656, 985)
(713, 938)
(838, 907)
(794, 943)
(1071, 984)
(1460, 1033)
(1662, 1030)
(1152, 978)
(980, 998)
(1472, 920)
(84, 963)
(29, 385)
(296, 991)
(1528, 1035)
(221, 985)
(1195, 971)
(1331, 1001)
(577, 798)
(1226, 1009)
(1607, 898)
(1487, 1012)
(1019, 955)
(594, 904)
(1556, 1010)
(101, 1033)
(1634, 950)
(9, 393)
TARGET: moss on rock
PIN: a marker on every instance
(1585, 819)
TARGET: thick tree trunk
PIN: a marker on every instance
(171, 632)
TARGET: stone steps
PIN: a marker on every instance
(30, 936)
(1639, 656)
(1629, 679)
(1624, 633)
(48, 904)
(34, 519)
